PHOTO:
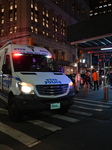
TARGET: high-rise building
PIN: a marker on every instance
(99, 7)
(42, 23)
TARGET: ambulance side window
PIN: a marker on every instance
(7, 65)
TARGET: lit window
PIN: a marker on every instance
(91, 14)
(31, 15)
(11, 30)
(15, 3)
(32, 28)
(36, 7)
(2, 31)
(109, 10)
(109, 4)
(36, 30)
(100, 6)
(96, 13)
(2, 20)
(104, 12)
(31, 3)
(11, 17)
(104, 5)
(10, 5)
(15, 15)
(36, 18)
(2, 10)
(15, 29)
(43, 32)
(43, 12)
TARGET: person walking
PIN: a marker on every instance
(95, 79)
(77, 81)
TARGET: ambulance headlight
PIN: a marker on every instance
(26, 88)
(71, 87)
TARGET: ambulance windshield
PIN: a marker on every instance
(36, 63)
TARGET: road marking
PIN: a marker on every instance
(69, 119)
(82, 107)
(23, 138)
(93, 101)
(80, 113)
(66, 118)
(98, 105)
(45, 125)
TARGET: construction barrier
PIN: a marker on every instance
(105, 89)
(85, 90)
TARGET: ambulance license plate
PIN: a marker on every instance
(55, 106)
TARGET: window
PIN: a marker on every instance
(31, 15)
(11, 5)
(2, 8)
(2, 19)
(55, 22)
(31, 3)
(1, 31)
(45, 17)
(36, 6)
(15, 29)
(100, 6)
(11, 16)
(109, 4)
(32, 29)
(15, 3)
(36, 30)
(15, 15)
(10, 30)
(36, 18)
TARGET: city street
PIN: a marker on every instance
(87, 125)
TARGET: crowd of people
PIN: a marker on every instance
(88, 79)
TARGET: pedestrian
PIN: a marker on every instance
(95, 79)
(88, 79)
(77, 81)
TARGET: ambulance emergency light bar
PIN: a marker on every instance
(108, 48)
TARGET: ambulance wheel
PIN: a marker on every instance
(14, 114)
(63, 110)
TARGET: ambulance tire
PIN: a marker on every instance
(14, 113)
(63, 110)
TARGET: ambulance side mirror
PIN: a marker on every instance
(6, 69)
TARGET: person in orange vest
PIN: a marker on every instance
(95, 79)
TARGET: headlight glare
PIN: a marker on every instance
(71, 87)
(26, 88)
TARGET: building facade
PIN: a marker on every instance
(42, 23)
(99, 7)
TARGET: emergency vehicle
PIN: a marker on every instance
(31, 81)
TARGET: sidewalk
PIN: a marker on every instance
(98, 95)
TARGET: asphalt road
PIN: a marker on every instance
(87, 126)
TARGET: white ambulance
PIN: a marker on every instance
(31, 81)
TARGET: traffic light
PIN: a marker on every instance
(31, 41)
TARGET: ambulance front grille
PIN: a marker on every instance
(52, 89)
